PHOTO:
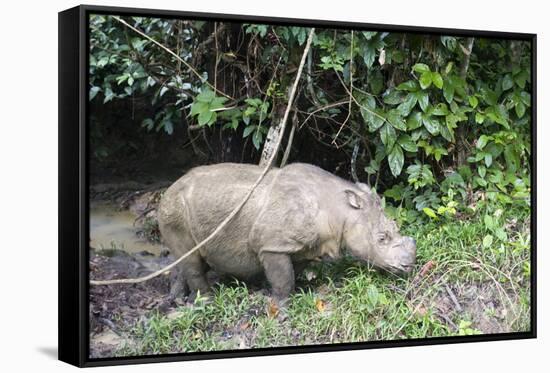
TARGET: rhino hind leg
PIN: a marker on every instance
(279, 271)
(193, 270)
(179, 286)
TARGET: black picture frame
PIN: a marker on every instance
(73, 44)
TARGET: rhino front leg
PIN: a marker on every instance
(279, 271)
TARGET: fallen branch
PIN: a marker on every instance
(453, 298)
(243, 202)
(447, 320)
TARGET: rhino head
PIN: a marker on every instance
(371, 237)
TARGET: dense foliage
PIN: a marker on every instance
(436, 123)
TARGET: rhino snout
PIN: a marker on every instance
(407, 256)
(404, 257)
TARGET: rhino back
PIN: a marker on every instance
(211, 194)
(295, 217)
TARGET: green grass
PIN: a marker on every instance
(349, 302)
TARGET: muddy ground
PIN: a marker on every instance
(115, 308)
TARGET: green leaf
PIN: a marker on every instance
(480, 118)
(369, 55)
(425, 80)
(473, 101)
(396, 120)
(396, 192)
(487, 241)
(482, 171)
(395, 160)
(423, 100)
(520, 109)
(449, 42)
(369, 34)
(501, 234)
(406, 106)
(446, 132)
(438, 152)
(248, 130)
(431, 124)
(407, 143)
(168, 126)
(437, 79)
(498, 114)
(109, 95)
(301, 36)
(206, 95)
(482, 141)
(410, 86)
(525, 98)
(521, 78)
(414, 120)
(451, 120)
(93, 92)
(199, 107)
(421, 68)
(148, 123)
(257, 139)
(373, 118)
(512, 158)
(449, 67)
(448, 91)
(507, 82)
(440, 109)
(205, 117)
(488, 159)
(393, 97)
(217, 103)
(388, 136)
(431, 213)
(255, 102)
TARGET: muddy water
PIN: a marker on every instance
(111, 228)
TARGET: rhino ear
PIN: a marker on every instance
(354, 200)
(364, 187)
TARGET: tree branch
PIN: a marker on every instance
(290, 139)
(191, 68)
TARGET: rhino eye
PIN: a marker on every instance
(382, 237)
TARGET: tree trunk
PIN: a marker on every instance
(273, 135)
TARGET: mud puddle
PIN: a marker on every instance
(113, 228)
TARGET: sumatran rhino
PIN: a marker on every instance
(298, 213)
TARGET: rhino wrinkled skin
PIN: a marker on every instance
(298, 213)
